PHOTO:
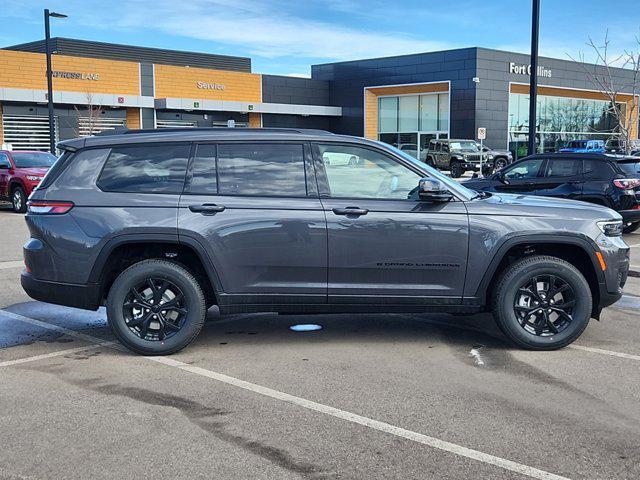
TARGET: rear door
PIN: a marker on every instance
(5, 167)
(259, 219)
(562, 178)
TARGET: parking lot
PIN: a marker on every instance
(367, 396)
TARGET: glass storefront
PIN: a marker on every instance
(410, 121)
(560, 120)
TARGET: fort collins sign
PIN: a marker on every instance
(521, 69)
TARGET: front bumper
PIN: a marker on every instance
(70, 295)
(615, 253)
(475, 166)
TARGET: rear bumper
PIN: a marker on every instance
(70, 295)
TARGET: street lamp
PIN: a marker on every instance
(533, 75)
(47, 39)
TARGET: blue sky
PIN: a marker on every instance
(286, 36)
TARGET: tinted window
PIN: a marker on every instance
(145, 169)
(630, 168)
(261, 169)
(596, 170)
(524, 169)
(563, 168)
(31, 160)
(203, 180)
(372, 175)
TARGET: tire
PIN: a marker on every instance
(160, 337)
(500, 163)
(429, 161)
(19, 200)
(533, 331)
(631, 228)
(456, 170)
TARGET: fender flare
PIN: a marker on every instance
(167, 238)
(581, 241)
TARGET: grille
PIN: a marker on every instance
(90, 126)
(27, 132)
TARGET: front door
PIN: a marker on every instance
(5, 167)
(261, 222)
(385, 245)
(522, 177)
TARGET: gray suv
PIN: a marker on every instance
(457, 156)
(158, 226)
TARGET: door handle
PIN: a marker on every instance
(356, 211)
(207, 208)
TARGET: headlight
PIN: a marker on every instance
(611, 228)
(490, 157)
(34, 178)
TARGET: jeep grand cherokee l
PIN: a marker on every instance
(161, 225)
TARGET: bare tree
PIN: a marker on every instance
(88, 117)
(620, 90)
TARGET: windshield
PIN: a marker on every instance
(464, 192)
(464, 145)
(630, 168)
(33, 159)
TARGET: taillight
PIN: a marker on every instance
(627, 183)
(43, 207)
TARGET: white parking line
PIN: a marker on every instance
(57, 353)
(321, 408)
(12, 264)
(605, 352)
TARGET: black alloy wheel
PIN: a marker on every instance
(500, 163)
(154, 309)
(544, 305)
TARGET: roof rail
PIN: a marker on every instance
(126, 131)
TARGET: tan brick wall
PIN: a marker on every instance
(255, 120)
(133, 118)
(181, 82)
(28, 70)
(371, 102)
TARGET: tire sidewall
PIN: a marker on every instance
(509, 323)
(160, 270)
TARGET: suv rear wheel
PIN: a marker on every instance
(542, 303)
(156, 307)
(19, 200)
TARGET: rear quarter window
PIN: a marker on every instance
(145, 169)
(630, 168)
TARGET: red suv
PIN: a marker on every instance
(20, 173)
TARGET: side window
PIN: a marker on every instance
(563, 168)
(4, 161)
(204, 179)
(525, 169)
(445, 148)
(597, 170)
(145, 169)
(261, 169)
(377, 176)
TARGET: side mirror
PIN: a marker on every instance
(500, 176)
(433, 191)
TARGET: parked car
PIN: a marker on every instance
(412, 149)
(500, 158)
(584, 146)
(20, 173)
(255, 220)
(603, 179)
(341, 159)
(617, 145)
(456, 156)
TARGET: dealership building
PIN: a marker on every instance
(408, 99)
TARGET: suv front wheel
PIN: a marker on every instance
(456, 169)
(156, 307)
(19, 200)
(542, 303)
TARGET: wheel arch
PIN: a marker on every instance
(125, 250)
(578, 250)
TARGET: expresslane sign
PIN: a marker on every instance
(75, 75)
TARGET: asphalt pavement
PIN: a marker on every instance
(364, 397)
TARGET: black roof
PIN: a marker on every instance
(203, 134)
(115, 51)
(593, 156)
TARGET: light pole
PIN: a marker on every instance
(533, 75)
(47, 41)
